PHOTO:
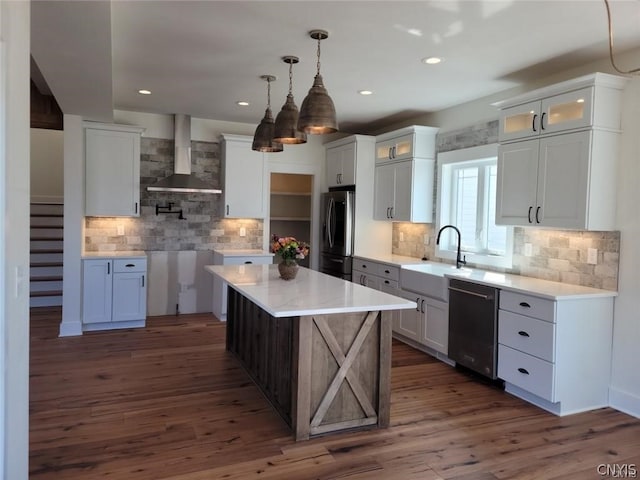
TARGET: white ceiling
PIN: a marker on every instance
(199, 58)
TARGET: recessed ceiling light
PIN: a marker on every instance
(431, 60)
(365, 92)
(144, 92)
(242, 103)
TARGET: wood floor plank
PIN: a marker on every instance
(167, 402)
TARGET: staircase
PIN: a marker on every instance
(45, 274)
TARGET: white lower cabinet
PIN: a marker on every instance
(114, 293)
(435, 324)
(379, 276)
(556, 354)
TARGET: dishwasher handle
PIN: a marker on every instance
(467, 292)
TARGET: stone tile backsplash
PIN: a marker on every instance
(203, 227)
(558, 255)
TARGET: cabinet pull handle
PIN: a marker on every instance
(525, 305)
(388, 212)
(391, 209)
(387, 271)
(143, 280)
(108, 268)
(227, 209)
(390, 155)
(537, 212)
(417, 304)
(523, 371)
(522, 333)
(129, 265)
(136, 207)
(422, 306)
(364, 266)
(542, 121)
(529, 214)
(364, 280)
(387, 282)
(533, 122)
(248, 262)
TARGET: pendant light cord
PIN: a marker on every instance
(290, 77)
(613, 63)
(268, 92)
(318, 64)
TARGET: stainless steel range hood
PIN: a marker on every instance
(182, 180)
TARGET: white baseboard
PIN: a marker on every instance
(625, 402)
(70, 329)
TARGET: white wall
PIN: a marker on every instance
(624, 393)
(14, 239)
(73, 226)
(47, 165)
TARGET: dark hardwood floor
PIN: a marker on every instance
(168, 402)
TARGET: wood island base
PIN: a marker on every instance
(322, 373)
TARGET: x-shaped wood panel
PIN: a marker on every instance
(344, 370)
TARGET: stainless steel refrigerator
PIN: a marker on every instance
(337, 233)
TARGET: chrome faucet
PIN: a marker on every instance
(459, 261)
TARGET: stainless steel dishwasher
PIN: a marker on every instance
(473, 326)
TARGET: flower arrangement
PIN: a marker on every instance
(289, 248)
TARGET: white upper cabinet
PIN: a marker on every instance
(410, 142)
(112, 170)
(404, 175)
(558, 154)
(243, 173)
(589, 101)
(341, 165)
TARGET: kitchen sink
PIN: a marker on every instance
(429, 278)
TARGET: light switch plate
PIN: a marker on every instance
(120, 229)
(243, 232)
(592, 256)
(402, 236)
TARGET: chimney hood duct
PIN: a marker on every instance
(182, 180)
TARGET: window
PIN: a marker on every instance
(467, 200)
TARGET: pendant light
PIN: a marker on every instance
(263, 138)
(286, 129)
(318, 114)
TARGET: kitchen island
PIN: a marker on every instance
(318, 347)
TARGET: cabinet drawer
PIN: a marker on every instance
(528, 305)
(129, 265)
(258, 260)
(366, 266)
(529, 335)
(388, 271)
(527, 372)
(386, 284)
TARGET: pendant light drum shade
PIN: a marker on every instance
(286, 127)
(263, 137)
(318, 113)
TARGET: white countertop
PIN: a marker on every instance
(247, 252)
(115, 254)
(310, 293)
(514, 283)
(391, 259)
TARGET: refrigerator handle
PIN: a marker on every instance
(328, 220)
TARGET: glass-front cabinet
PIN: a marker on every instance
(554, 114)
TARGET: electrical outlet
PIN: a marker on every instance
(528, 249)
(243, 232)
(592, 256)
(402, 236)
(120, 229)
(427, 239)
